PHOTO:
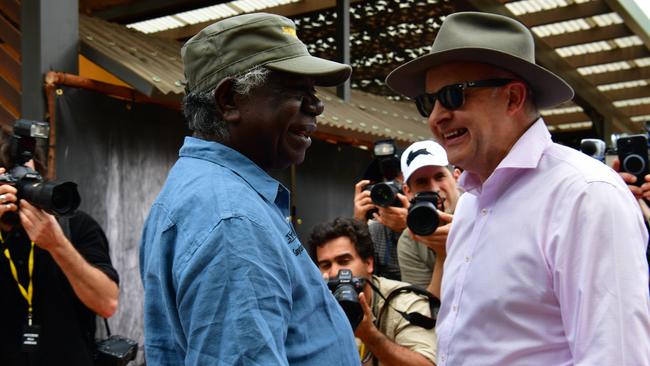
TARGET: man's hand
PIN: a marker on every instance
(639, 192)
(362, 201)
(437, 241)
(7, 200)
(394, 218)
(41, 227)
(367, 325)
(385, 350)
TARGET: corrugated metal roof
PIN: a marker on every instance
(154, 67)
(151, 65)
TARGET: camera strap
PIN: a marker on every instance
(29, 292)
(413, 318)
(31, 332)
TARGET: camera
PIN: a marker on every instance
(594, 148)
(384, 194)
(346, 289)
(53, 197)
(382, 171)
(422, 218)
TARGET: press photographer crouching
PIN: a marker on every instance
(392, 320)
(55, 275)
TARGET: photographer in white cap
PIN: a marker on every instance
(425, 168)
(546, 255)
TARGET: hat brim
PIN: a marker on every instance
(324, 72)
(549, 89)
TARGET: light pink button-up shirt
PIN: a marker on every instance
(545, 265)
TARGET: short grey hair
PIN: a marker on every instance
(200, 109)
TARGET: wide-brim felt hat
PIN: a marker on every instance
(486, 38)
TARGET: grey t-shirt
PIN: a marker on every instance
(416, 261)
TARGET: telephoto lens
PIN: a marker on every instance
(422, 218)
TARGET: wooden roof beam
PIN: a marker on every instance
(135, 11)
(635, 18)
(287, 10)
(636, 110)
(628, 93)
(637, 73)
(605, 57)
(559, 119)
(564, 13)
(612, 31)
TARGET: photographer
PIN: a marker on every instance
(388, 221)
(52, 286)
(388, 337)
(421, 258)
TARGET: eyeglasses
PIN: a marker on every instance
(453, 96)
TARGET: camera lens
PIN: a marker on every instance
(383, 194)
(422, 218)
(57, 198)
(634, 164)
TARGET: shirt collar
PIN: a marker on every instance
(524, 154)
(239, 164)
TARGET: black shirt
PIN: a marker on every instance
(67, 325)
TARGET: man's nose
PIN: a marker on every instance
(334, 271)
(312, 105)
(438, 115)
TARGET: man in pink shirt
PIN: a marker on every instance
(546, 254)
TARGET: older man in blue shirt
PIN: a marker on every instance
(226, 279)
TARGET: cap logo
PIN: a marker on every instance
(290, 31)
(415, 153)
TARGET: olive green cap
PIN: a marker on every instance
(236, 45)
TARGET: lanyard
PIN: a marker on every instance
(27, 294)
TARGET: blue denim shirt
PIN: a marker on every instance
(227, 282)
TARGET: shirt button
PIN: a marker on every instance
(484, 211)
(443, 358)
(454, 308)
(467, 258)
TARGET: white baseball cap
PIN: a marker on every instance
(420, 154)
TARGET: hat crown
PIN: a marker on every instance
(485, 31)
(238, 44)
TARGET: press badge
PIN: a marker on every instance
(30, 341)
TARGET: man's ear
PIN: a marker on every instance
(224, 99)
(406, 189)
(517, 94)
(370, 265)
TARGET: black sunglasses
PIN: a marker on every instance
(452, 96)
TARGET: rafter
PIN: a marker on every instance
(559, 119)
(561, 14)
(612, 31)
(637, 73)
(604, 57)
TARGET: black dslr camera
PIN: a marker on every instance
(422, 217)
(346, 289)
(386, 163)
(384, 194)
(55, 198)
